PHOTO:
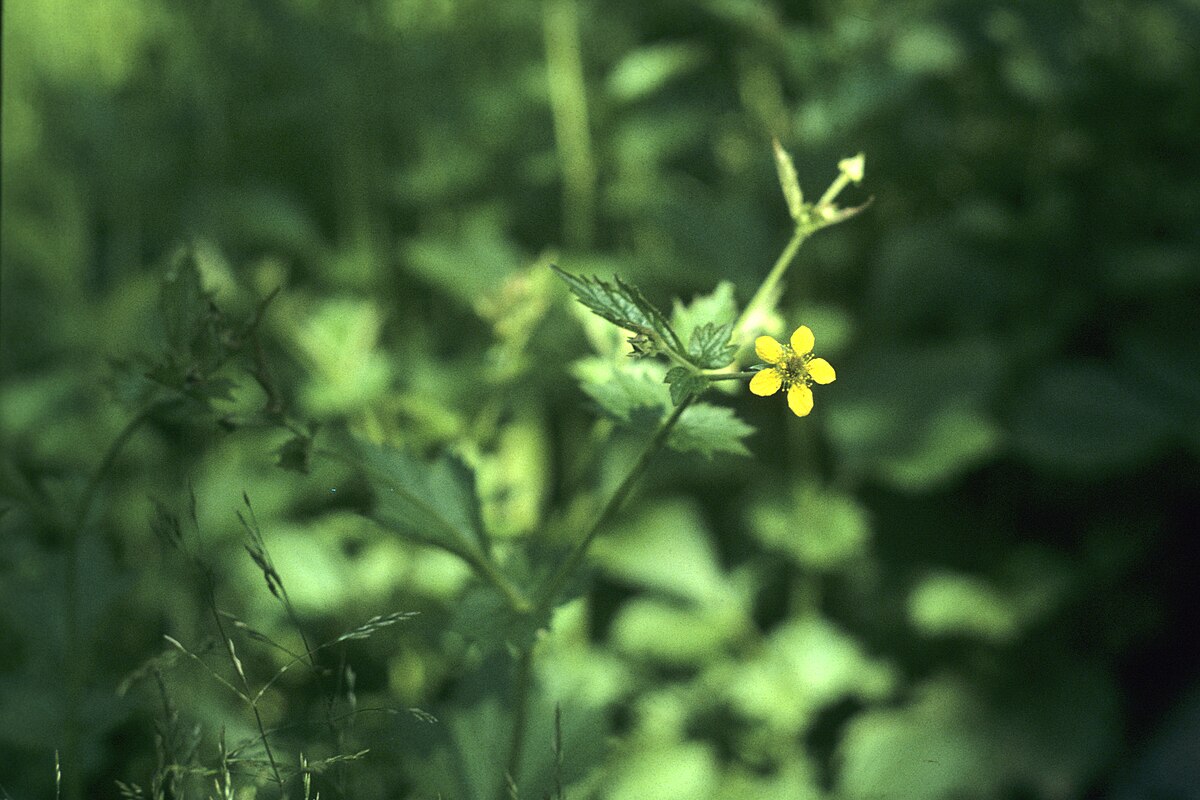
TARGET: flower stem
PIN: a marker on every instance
(767, 289)
(524, 670)
(572, 562)
(730, 376)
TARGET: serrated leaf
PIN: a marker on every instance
(788, 181)
(621, 304)
(717, 307)
(684, 383)
(621, 391)
(636, 395)
(709, 346)
(431, 503)
(709, 429)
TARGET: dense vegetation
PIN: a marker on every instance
(278, 323)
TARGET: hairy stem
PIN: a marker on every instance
(730, 376)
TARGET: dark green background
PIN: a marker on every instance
(969, 574)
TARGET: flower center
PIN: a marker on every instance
(793, 369)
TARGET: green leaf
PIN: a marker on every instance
(655, 630)
(946, 604)
(788, 181)
(709, 346)
(917, 416)
(430, 503)
(683, 771)
(709, 429)
(644, 71)
(717, 308)
(937, 747)
(684, 383)
(621, 391)
(635, 393)
(183, 304)
(1088, 419)
(820, 529)
(804, 666)
(295, 454)
(667, 549)
(621, 304)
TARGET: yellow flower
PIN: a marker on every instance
(792, 367)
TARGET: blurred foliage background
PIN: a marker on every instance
(969, 574)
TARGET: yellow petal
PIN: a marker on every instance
(803, 340)
(766, 382)
(821, 371)
(768, 350)
(800, 400)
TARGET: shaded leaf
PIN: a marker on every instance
(432, 503)
(621, 304)
(684, 383)
(1087, 419)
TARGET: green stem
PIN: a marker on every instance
(76, 666)
(730, 376)
(516, 745)
(835, 188)
(110, 457)
(568, 107)
(768, 286)
(487, 570)
(524, 675)
(572, 562)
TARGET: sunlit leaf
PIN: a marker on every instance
(946, 604)
(709, 346)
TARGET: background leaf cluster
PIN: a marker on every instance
(968, 573)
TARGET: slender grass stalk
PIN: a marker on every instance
(258, 721)
(516, 746)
